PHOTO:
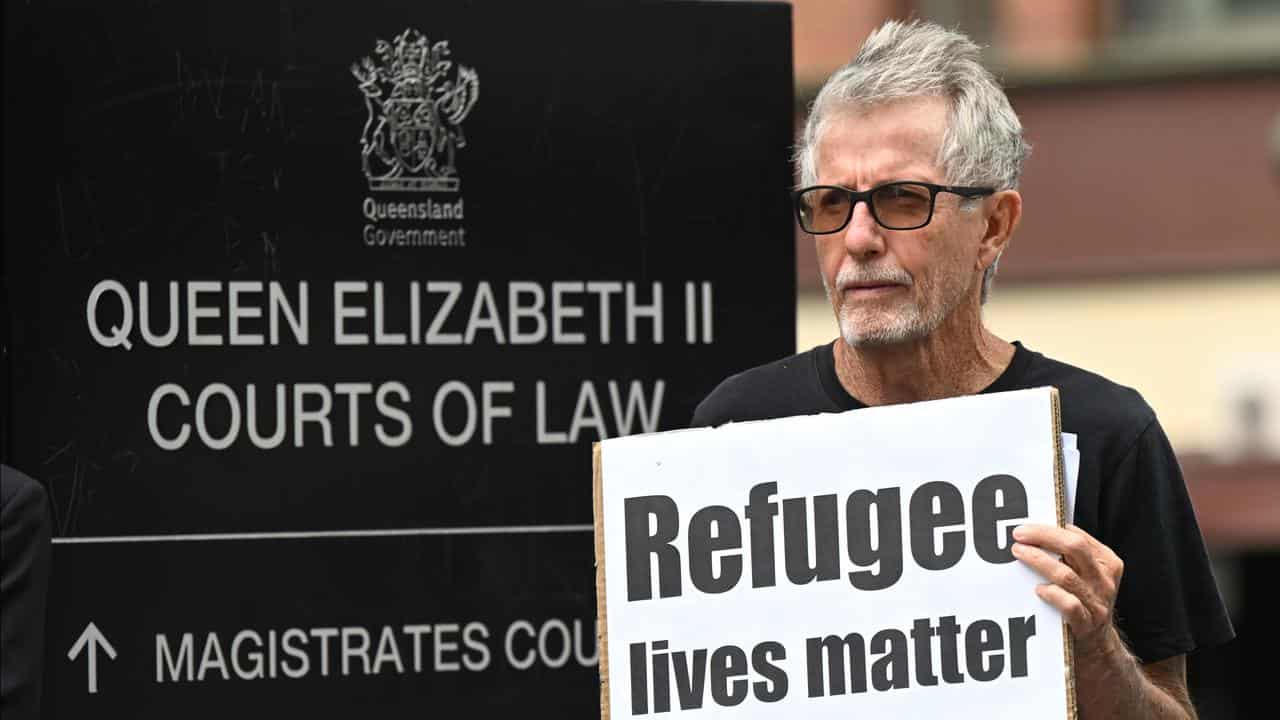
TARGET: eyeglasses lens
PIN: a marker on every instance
(900, 206)
(824, 210)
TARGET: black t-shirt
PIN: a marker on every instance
(1130, 493)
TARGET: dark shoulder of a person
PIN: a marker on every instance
(1090, 403)
(18, 490)
(782, 388)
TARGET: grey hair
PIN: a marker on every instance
(982, 143)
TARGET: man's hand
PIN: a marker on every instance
(1082, 585)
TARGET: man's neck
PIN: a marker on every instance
(958, 358)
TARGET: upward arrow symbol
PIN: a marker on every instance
(93, 638)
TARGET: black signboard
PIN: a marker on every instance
(314, 310)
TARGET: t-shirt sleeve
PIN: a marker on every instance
(704, 415)
(1168, 603)
(721, 405)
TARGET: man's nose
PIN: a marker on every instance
(863, 237)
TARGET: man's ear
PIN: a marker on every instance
(1003, 212)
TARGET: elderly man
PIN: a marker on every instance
(909, 164)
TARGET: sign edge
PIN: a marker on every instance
(602, 627)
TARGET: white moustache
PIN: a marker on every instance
(850, 276)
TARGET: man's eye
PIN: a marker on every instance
(832, 199)
(900, 192)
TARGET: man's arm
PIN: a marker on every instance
(1110, 682)
(1116, 685)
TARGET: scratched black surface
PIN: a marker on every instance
(156, 141)
(229, 586)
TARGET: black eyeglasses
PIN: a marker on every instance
(823, 209)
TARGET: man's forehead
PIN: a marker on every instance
(884, 140)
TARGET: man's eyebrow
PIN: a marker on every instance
(884, 180)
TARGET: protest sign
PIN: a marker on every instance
(837, 563)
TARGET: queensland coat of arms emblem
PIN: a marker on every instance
(417, 99)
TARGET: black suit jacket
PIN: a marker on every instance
(25, 527)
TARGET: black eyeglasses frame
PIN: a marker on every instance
(856, 197)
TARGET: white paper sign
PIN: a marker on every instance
(841, 565)
(1071, 466)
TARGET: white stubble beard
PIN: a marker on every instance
(905, 323)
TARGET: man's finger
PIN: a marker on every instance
(1050, 568)
(1075, 612)
(1091, 559)
(1049, 537)
(1102, 554)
